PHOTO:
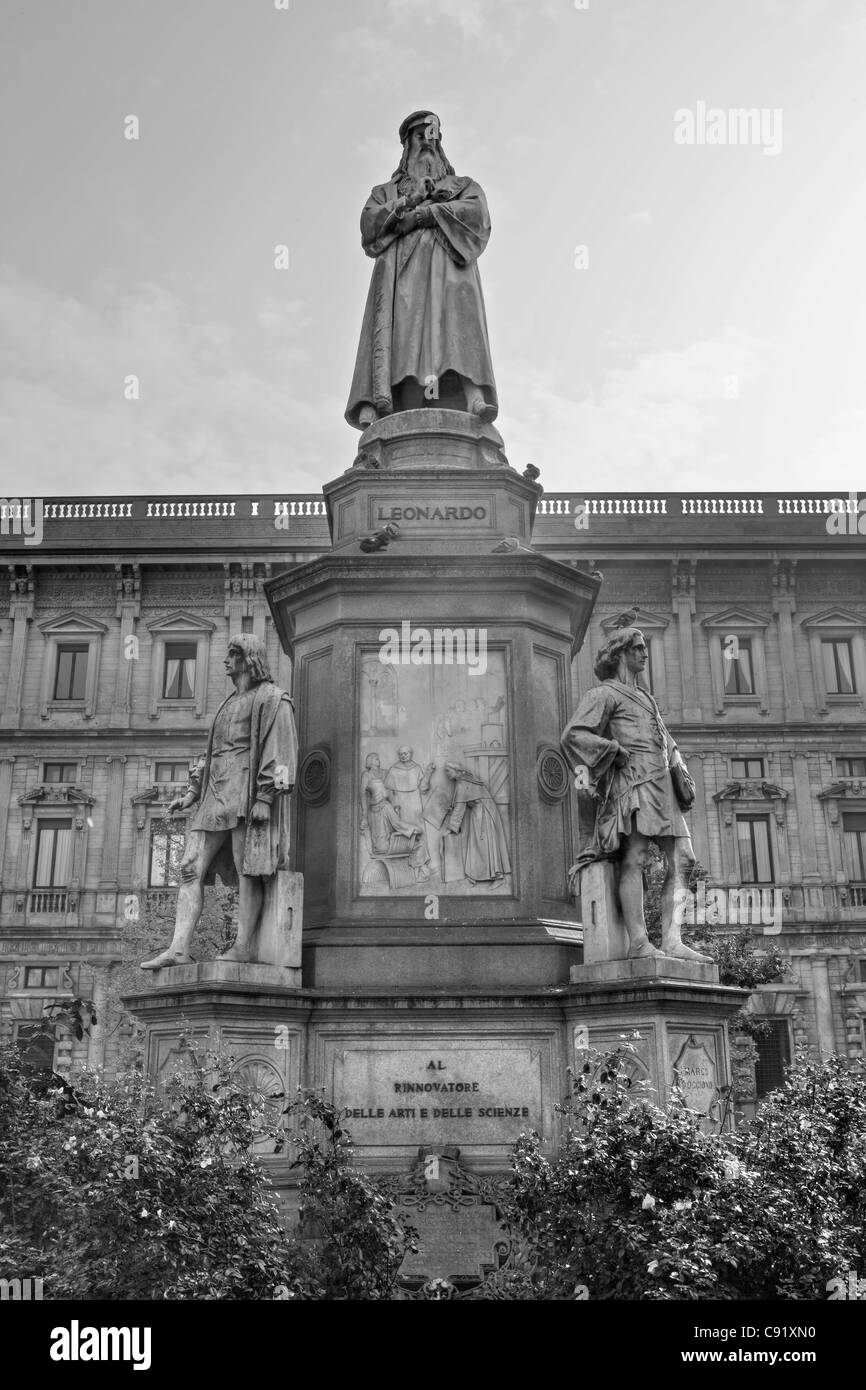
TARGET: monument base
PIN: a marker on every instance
(676, 1024)
(651, 968)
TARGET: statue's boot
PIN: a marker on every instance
(476, 404)
(177, 953)
(241, 950)
(236, 952)
(367, 416)
(168, 957)
(643, 950)
(672, 945)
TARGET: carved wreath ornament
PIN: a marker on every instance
(552, 774)
(314, 777)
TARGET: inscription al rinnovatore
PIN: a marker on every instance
(376, 1087)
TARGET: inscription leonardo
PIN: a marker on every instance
(431, 513)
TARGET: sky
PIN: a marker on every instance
(663, 315)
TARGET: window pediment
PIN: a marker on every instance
(832, 619)
(850, 789)
(55, 794)
(751, 790)
(72, 625)
(645, 620)
(736, 619)
(179, 622)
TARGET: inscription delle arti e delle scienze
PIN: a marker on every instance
(484, 1112)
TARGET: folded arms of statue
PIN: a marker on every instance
(456, 212)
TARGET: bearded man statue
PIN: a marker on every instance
(424, 339)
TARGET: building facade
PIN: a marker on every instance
(112, 637)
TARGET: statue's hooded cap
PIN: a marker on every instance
(418, 118)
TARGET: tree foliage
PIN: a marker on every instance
(642, 1204)
(108, 1191)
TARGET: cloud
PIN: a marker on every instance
(372, 51)
(496, 24)
(212, 414)
(838, 453)
(649, 425)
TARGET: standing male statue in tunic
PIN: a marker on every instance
(424, 339)
(641, 785)
(240, 789)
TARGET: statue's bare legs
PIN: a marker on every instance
(200, 851)
(635, 856)
(250, 896)
(679, 859)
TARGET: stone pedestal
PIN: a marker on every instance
(673, 1012)
(677, 1026)
(482, 632)
(279, 935)
(604, 934)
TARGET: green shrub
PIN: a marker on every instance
(642, 1204)
(107, 1194)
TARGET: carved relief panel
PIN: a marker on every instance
(434, 776)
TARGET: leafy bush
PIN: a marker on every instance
(642, 1204)
(106, 1194)
(358, 1242)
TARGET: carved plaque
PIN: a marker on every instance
(695, 1077)
(473, 1092)
(458, 1235)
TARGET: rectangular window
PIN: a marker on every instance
(753, 844)
(172, 772)
(851, 767)
(246, 624)
(59, 772)
(166, 851)
(53, 854)
(36, 1046)
(70, 681)
(747, 767)
(41, 977)
(774, 1054)
(838, 667)
(854, 832)
(738, 669)
(179, 679)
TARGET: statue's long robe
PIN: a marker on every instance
(425, 309)
(474, 816)
(244, 773)
(639, 796)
